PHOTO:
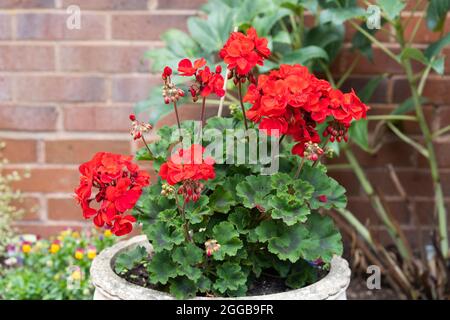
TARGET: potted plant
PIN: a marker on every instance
(239, 208)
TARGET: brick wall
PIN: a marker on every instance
(66, 94)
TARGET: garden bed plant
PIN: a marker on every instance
(237, 198)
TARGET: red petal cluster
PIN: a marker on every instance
(188, 164)
(118, 183)
(206, 82)
(294, 101)
(242, 52)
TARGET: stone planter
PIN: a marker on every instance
(109, 286)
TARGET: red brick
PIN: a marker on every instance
(411, 4)
(358, 83)
(26, 4)
(348, 180)
(44, 230)
(78, 151)
(27, 58)
(145, 26)
(444, 118)
(180, 4)
(133, 89)
(60, 88)
(52, 26)
(27, 118)
(363, 210)
(6, 85)
(381, 182)
(64, 209)
(5, 27)
(423, 35)
(89, 58)
(20, 151)
(48, 180)
(30, 207)
(436, 89)
(416, 182)
(442, 150)
(108, 4)
(114, 119)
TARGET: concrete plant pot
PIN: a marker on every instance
(109, 286)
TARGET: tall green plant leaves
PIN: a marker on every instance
(436, 14)
(391, 8)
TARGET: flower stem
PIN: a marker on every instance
(178, 119)
(145, 142)
(297, 174)
(203, 112)
(242, 104)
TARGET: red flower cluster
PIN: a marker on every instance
(188, 166)
(243, 52)
(293, 101)
(206, 82)
(119, 182)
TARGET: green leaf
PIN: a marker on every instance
(324, 239)
(241, 218)
(301, 275)
(437, 13)
(290, 211)
(391, 8)
(328, 36)
(304, 55)
(163, 237)
(221, 200)
(188, 255)
(263, 24)
(183, 288)
(413, 53)
(161, 268)
(438, 65)
(338, 16)
(323, 186)
(228, 237)
(407, 106)
(196, 211)
(203, 34)
(130, 259)
(359, 133)
(435, 48)
(229, 277)
(366, 93)
(253, 190)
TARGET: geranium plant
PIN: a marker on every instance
(218, 224)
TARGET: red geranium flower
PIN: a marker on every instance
(243, 52)
(292, 101)
(188, 166)
(187, 69)
(118, 183)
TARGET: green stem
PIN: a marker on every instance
(408, 140)
(297, 174)
(362, 230)
(392, 117)
(242, 105)
(378, 205)
(203, 112)
(439, 197)
(375, 41)
(441, 131)
(348, 72)
(328, 73)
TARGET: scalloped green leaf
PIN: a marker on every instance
(301, 274)
(163, 237)
(241, 218)
(230, 277)
(324, 187)
(161, 268)
(221, 200)
(254, 190)
(289, 211)
(228, 237)
(196, 211)
(188, 255)
(183, 288)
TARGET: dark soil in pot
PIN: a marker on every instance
(265, 284)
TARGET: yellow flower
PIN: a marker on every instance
(107, 233)
(76, 235)
(54, 248)
(26, 248)
(76, 275)
(92, 253)
(79, 254)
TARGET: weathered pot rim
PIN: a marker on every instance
(114, 287)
